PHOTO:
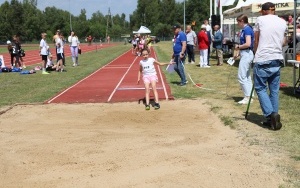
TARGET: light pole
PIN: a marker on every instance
(184, 15)
(70, 15)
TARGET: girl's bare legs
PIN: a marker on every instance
(153, 84)
(147, 93)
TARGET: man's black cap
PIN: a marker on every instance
(176, 26)
(268, 6)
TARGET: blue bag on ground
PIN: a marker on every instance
(16, 69)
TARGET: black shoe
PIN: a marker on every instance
(275, 121)
(156, 106)
(182, 84)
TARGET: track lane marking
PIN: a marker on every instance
(84, 79)
(116, 88)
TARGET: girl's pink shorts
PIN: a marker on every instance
(150, 78)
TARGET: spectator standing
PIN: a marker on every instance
(89, 39)
(298, 33)
(55, 38)
(269, 31)
(10, 51)
(217, 43)
(191, 42)
(290, 20)
(16, 47)
(179, 47)
(44, 51)
(108, 39)
(203, 46)
(208, 27)
(208, 33)
(60, 53)
(74, 47)
(245, 48)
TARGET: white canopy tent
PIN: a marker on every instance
(142, 30)
(252, 8)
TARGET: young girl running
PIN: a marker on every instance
(149, 76)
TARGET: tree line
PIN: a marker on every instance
(27, 21)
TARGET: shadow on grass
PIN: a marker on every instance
(289, 91)
(257, 119)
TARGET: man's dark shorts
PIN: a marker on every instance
(44, 57)
(60, 56)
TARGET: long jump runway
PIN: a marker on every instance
(114, 82)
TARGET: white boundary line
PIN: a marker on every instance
(161, 78)
(135, 88)
(84, 78)
(116, 88)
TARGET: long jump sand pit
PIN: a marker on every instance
(183, 144)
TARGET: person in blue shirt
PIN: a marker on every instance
(246, 52)
(179, 47)
(218, 44)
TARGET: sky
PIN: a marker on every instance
(91, 6)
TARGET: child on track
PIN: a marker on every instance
(149, 76)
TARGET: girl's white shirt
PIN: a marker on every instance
(73, 40)
(148, 66)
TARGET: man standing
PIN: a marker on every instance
(191, 41)
(217, 43)
(269, 36)
(179, 52)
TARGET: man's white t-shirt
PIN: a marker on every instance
(271, 37)
(148, 66)
(208, 28)
(44, 47)
(60, 46)
(191, 36)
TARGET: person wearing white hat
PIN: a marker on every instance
(203, 45)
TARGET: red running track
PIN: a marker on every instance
(114, 82)
(32, 56)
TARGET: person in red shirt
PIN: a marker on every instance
(203, 43)
(89, 40)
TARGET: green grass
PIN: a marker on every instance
(36, 88)
(3, 48)
(225, 92)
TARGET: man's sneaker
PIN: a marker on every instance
(245, 101)
(156, 106)
(74, 65)
(206, 66)
(193, 62)
(147, 107)
(275, 121)
(182, 84)
(44, 72)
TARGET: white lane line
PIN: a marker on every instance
(116, 68)
(135, 88)
(161, 78)
(84, 79)
(114, 91)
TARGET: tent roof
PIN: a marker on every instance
(142, 30)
